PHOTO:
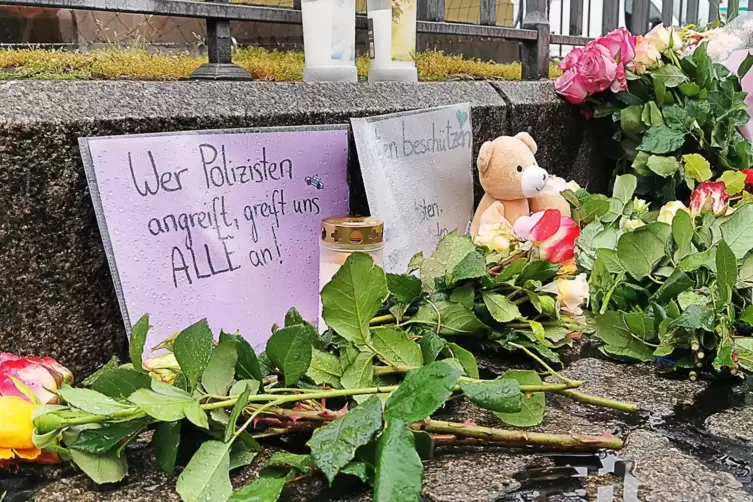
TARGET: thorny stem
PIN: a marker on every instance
(519, 438)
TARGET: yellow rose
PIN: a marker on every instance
(16, 429)
(163, 367)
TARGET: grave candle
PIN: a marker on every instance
(392, 39)
(329, 40)
(343, 236)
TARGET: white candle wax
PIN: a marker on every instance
(382, 25)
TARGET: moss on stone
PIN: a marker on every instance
(263, 64)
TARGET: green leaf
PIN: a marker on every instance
(302, 463)
(163, 402)
(624, 187)
(293, 317)
(630, 119)
(660, 90)
(746, 270)
(511, 270)
(138, 340)
(745, 66)
(697, 167)
(661, 139)
(396, 349)
(663, 166)
(464, 295)
(532, 404)
(450, 251)
(166, 442)
(121, 383)
(651, 114)
(247, 367)
(693, 262)
(289, 349)
(466, 358)
(682, 232)
(737, 231)
(91, 401)
(192, 349)
(219, 373)
(500, 308)
(591, 210)
(357, 469)
(263, 489)
(734, 181)
(610, 260)
(241, 457)
(359, 374)
(404, 287)
(399, 471)
(726, 271)
(616, 208)
(415, 262)
(236, 413)
(612, 329)
(472, 266)
(675, 284)
(502, 394)
(422, 392)
(640, 164)
(640, 325)
(353, 297)
(334, 445)
(724, 354)
(696, 317)
(455, 318)
(639, 250)
(104, 439)
(109, 467)
(431, 345)
(670, 75)
(538, 270)
(324, 368)
(206, 478)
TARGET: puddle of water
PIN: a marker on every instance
(566, 480)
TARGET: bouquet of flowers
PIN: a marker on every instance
(675, 111)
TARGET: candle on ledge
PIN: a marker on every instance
(343, 236)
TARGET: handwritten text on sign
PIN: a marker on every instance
(417, 173)
(222, 225)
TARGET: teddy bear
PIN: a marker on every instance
(514, 183)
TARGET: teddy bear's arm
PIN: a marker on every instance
(544, 201)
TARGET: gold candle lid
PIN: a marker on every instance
(352, 230)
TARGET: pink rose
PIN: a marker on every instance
(709, 196)
(552, 234)
(41, 376)
(597, 68)
(570, 85)
(619, 83)
(571, 59)
(620, 43)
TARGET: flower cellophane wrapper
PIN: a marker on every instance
(729, 45)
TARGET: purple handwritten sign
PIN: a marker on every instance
(217, 224)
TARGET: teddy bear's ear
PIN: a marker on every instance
(528, 140)
(485, 156)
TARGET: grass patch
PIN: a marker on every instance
(281, 66)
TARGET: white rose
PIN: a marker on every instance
(572, 186)
(646, 55)
(669, 210)
(572, 293)
(640, 206)
(630, 225)
(661, 37)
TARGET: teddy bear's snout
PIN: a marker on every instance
(533, 180)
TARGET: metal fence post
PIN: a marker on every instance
(428, 10)
(535, 53)
(220, 51)
(488, 14)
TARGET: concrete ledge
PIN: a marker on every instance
(56, 294)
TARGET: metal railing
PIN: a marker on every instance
(534, 36)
